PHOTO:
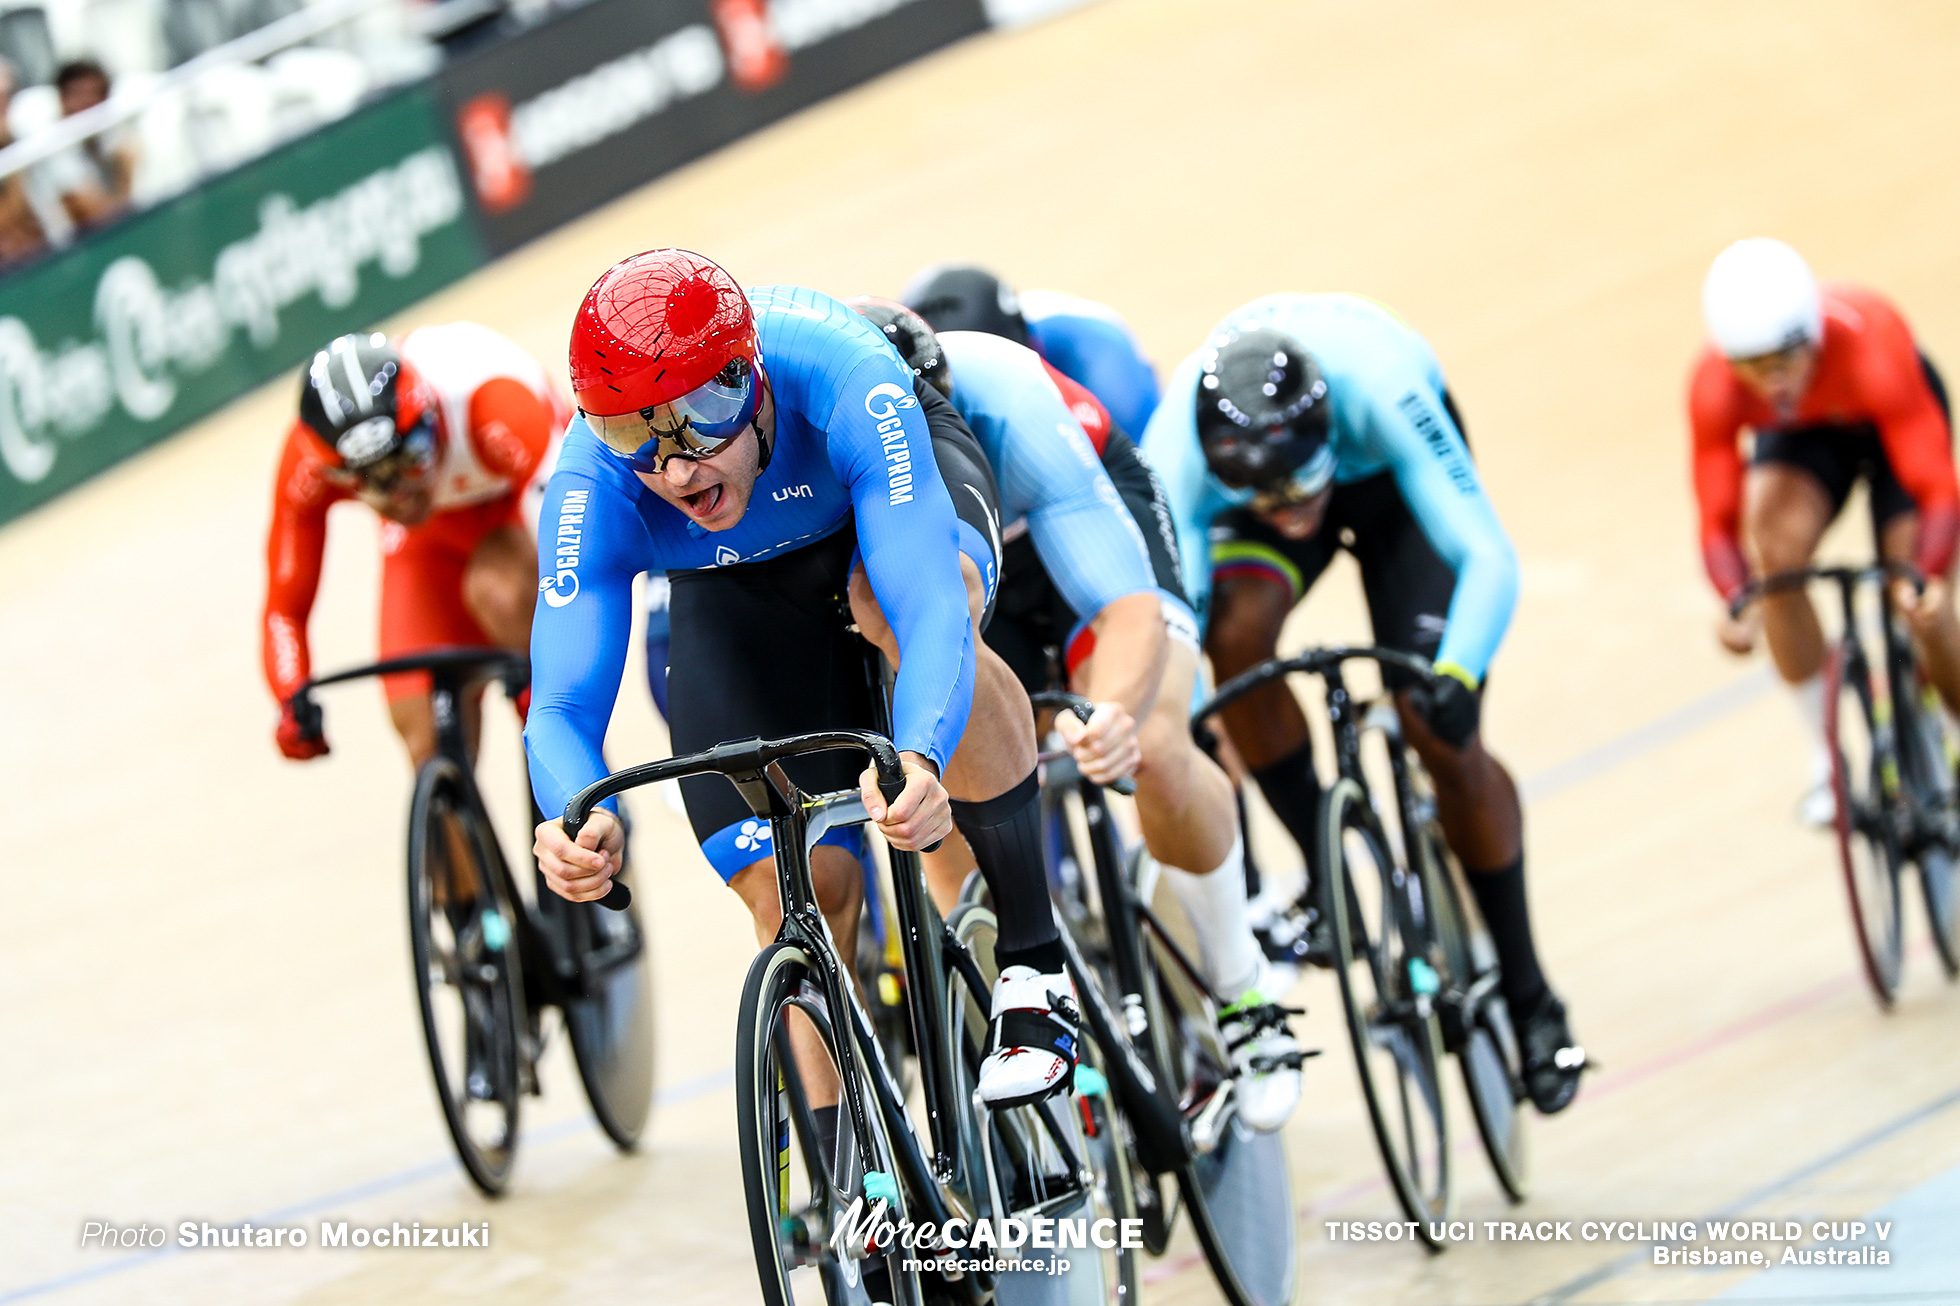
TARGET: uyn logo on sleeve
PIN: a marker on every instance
(883, 403)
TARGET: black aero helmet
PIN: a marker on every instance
(367, 405)
(913, 339)
(1262, 411)
(960, 297)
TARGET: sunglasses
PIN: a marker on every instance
(699, 424)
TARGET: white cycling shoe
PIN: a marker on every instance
(1267, 1058)
(1033, 1038)
(1818, 806)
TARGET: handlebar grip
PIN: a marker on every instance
(312, 721)
(618, 897)
(1127, 785)
(891, 773)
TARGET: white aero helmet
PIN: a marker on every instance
(1760, 298)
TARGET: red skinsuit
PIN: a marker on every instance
(497, 415)
(1867, 371)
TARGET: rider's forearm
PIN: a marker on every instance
(1480, 610)
(1131, 653)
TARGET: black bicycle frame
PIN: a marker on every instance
(752, 766)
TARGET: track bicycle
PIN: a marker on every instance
(1147, 1006)
(1893, 756)
(488, 962)
(804, 1037)
(1417, 971)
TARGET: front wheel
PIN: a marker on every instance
(811, 1183)
(1858, 725)
(1388, 987)
(463, 928)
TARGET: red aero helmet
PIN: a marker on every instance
(654, 328)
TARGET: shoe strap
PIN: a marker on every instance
(1037, 1030)
(1257, 1020)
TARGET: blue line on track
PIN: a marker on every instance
(1678, 724)
(1620, 1265)
(685, 1091)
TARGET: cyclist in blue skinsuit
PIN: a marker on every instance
(1074, 543)
(1079, 338)
(1311, 423)
(769, 452)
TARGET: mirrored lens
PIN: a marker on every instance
(1306, 482)
(697, 425)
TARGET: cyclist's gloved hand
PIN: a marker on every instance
(920, 816)
(1106, 749)
(1449, 705)
(301, 734)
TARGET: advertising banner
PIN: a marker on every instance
(608, 96)
(161, 319)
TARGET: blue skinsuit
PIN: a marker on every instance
(1048, 472)
(850, 443)
(1090, 345)
(1385, 396)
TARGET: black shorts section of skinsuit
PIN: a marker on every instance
(1031, 619)
(1407, 583)
(1836, 454)
(763, 648)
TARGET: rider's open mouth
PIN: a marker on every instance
(702, 503)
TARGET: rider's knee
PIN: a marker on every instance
(415, 722)
(1166, 745)
(1242, 634)
(496, 600)
(838, 879)
(1774, 543)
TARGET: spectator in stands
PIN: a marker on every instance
(21, 236)
(93, 179)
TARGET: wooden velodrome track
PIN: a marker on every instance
(203, 968)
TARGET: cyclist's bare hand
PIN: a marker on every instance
(1921, 608)
(1106, 748)
(1738, 634)
(920, 816)
(581, 869)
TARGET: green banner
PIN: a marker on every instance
(112, 345)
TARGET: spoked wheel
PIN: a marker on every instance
(1388, 987)
(1476, 1022)
(1236, 1185)
(463, 923)
(609, 1016)
(801, 1186)
(1932, 776)
(1041, 1151)
(1864, 775)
